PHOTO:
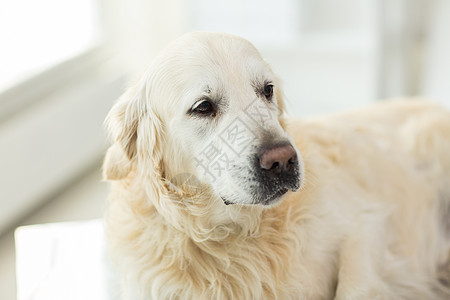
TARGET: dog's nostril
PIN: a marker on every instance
(275, 165)
(293, 159)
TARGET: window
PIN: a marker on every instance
(37, 35)
(54, 95)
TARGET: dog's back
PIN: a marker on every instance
(395, 158)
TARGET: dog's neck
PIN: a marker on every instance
(197, 236)
(204, 216)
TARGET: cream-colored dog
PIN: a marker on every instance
(216, 195)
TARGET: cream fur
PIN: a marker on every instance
(368, 223)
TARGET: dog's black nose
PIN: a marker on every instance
(278, 159)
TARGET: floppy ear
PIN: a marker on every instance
(116, 164)
(122, 125)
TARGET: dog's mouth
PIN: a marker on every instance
(275, 197)
(226, 201)
(272, 199)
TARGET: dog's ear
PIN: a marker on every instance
(136, 133)
(122, 125)
(116, 164)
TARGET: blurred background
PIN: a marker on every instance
(64, 62)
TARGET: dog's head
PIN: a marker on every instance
(209, 108)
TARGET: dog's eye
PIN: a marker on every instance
(205, 108)
(268, 91)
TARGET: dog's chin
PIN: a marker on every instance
(265, 200)
(275, 198)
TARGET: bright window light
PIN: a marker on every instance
(35, 35)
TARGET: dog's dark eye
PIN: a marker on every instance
(205, 108)
(268, 91)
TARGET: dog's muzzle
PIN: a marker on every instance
(277, 171)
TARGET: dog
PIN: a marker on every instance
(217, 194)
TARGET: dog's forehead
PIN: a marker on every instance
(216, 54)
(215, 44)
(207, 62)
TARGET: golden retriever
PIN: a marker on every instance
(216, 194)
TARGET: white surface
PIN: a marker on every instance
(63, 261)
(83, 200)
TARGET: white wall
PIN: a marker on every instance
(139, 29)
(324, 51)
(436, 80)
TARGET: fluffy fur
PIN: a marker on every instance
(371, 220)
